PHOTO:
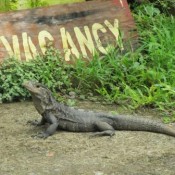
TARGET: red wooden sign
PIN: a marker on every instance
(77, 29)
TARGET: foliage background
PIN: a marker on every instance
(144, 78)
(7, 5)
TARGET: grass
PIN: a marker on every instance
(64, 1)
(143, 78)
(7, 5)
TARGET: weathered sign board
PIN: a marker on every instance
(75, 29)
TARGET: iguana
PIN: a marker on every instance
(60, 116)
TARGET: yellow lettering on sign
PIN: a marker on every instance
(115, 31)
(84, 41)
(32, 47)
(67, 41)
(15, 51)
(95, 28)
(42, 39)
(28, 47)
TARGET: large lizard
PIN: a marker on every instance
(60, 116)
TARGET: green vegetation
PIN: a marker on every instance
(8, 5)
(49, 70)
(143, 78)
(64, 1)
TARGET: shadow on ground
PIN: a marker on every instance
(65, 153)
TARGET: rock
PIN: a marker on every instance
(72, 94)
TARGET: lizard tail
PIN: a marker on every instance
(140, 124)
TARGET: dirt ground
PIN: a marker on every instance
(65, 153)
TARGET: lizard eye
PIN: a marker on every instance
(38, 86)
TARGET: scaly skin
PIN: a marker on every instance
(60, 116)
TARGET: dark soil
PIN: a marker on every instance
(65, 153)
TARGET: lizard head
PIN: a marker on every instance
(36, 88)
(41, 95)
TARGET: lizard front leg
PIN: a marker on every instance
(50, 118)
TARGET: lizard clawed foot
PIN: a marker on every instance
(104, 133)
(33, 122)
(42, 135)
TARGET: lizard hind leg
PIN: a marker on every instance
(105, 129)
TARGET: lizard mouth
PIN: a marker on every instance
(29, 86)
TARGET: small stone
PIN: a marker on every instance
(98, 173)
(56, 170)
(72, 93)
(50, 154)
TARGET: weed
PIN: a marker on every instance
(49, 70)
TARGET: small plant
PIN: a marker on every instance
(37, 3)
(49, 70)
